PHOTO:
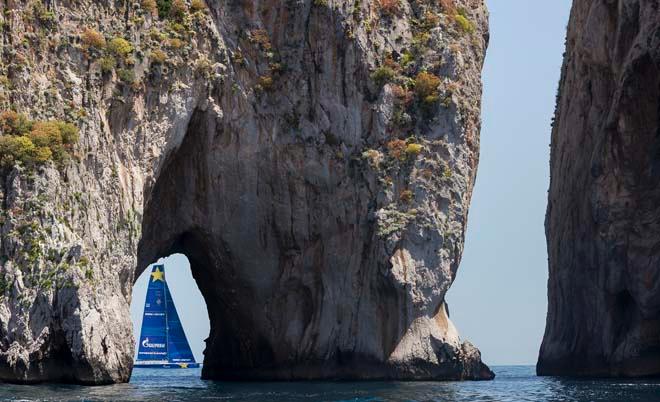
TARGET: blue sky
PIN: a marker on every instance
(499, 298)
(498, 301)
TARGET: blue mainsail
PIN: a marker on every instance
(163, 343)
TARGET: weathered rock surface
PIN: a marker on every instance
(603, 212)
(260, 139)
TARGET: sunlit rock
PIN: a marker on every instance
(314, 161)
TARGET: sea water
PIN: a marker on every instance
(513, 383)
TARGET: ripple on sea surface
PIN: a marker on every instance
(513, 383)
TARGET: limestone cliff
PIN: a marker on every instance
(602, 218)
(314, 159)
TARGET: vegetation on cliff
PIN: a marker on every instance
(34, 142)
(420, 88)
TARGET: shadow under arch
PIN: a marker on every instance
(175, 221)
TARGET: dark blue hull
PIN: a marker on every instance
(168, 365)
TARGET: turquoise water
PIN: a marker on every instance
(513, 383)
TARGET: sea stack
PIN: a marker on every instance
(603, 217)
(314, 160)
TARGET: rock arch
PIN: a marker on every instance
(263, 150)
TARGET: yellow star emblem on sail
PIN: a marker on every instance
(158, 275)
(183, 365)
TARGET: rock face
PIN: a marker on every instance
(603, 212)
(313, 159)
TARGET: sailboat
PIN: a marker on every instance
(163, 343)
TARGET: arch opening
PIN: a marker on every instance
(190, 304)
(186, 212)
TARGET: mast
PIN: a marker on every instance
(152, 348)
(167, 327)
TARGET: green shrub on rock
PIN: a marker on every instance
(158, 56)
(396, 149)
(69, 132)
(49, 134)
(426, 88)
(465, 24)
(107, 64)
(150, 6)
(42, 155)
(12, 123)
(383, 75)
(413, 149)
(120, 47)
(197, 5)
(34, 143)
(175, 43)
(127, 76)
(91, 38)
(164, 7)
(13, 149)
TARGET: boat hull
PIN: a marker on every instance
(168, 365)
